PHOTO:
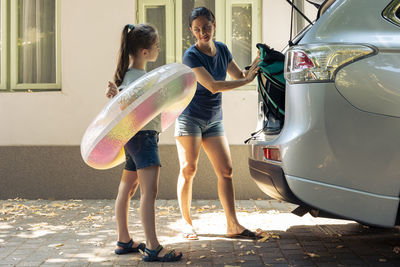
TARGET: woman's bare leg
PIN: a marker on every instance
(188, 153)
(217, 150)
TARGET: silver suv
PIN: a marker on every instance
(338, 153)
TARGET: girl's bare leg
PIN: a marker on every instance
(126, 190)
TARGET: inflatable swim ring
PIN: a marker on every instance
(166, 90)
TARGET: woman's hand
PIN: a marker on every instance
(253, 71)
(111, 90)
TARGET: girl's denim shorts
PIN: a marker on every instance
(190, 126)
(141, 151)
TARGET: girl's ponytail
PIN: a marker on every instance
(133, 38)
(123, 57)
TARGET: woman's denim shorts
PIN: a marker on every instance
(190, 126)
(141, 151)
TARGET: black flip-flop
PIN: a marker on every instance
(246, 234)
(127, 248)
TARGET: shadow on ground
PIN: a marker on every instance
(82, 233)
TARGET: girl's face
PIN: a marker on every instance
(203, 29)
(154, 51)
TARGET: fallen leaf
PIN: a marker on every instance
(203, 245)
(382, 260)
(265, 238)
(340, 246)
(202, 257)
(55, 245)
(312, 255)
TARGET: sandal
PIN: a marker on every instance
(246, 234)
(152, 255)
(127, 247)
(189, 233)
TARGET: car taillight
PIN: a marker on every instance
(320, 62)
(272, 153)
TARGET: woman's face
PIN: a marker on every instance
(203, 29)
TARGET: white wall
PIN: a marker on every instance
(90, 33)
(89, 41)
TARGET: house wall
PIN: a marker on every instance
(41, 131)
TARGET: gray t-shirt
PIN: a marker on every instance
(130, 76)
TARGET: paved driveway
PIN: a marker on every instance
(82, 233)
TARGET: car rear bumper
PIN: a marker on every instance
(271, 180)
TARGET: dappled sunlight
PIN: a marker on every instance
(84, 232)
(212, 221)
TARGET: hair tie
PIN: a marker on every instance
(131, 27)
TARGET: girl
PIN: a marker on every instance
(139, 44)
(200, 124)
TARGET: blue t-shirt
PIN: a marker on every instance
(205, 105)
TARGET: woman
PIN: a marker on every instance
(200, 124)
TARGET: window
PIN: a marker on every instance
(238, 26)
(30, 53)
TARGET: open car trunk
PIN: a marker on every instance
(268, 123)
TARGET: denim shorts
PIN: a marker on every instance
(190, 126)
(141, 151)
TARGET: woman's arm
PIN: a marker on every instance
(236, 73)
(242, 78)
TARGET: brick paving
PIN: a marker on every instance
(82, 233)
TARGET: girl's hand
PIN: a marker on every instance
(111, 90)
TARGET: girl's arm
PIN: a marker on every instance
(242, 78)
